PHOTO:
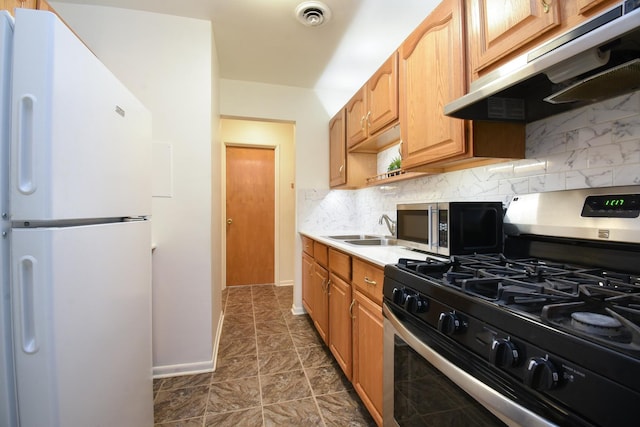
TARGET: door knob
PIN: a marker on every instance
(229, 221)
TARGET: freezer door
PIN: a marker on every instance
(81, 300)
(81, 142)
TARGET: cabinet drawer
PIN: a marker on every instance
(340, 264)
(368, 279)
(321, 254)
(307, 245)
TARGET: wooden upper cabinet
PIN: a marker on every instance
(431, 74)
(375, 106)
(499, 27)
(11, 5)
(356, 110)
(585, 6)
(382, 96)
(337, 151)
(499, 31)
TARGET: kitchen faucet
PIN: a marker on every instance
(391, 224)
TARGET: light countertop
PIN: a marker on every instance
(378, 255)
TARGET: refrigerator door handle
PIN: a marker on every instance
(26, 157)
(26, 279)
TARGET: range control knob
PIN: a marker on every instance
(415, 304)
(449, 323)
(504, 353)
(398, 296)
(541, 374)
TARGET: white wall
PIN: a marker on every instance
(167, 62)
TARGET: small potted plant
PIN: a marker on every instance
(394, 166)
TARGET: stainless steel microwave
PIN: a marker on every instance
(451, 228)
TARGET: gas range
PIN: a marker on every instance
(554, 321)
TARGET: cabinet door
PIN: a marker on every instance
(367, 354)
(499, 27)
(11, 5)
(584, 6)
(368, 279)
(337, 151)
(320, 304)
(307, 283)
(432, 75)
(356, 110)
(340, 323)
(382, 96)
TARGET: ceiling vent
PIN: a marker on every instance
(313, 13)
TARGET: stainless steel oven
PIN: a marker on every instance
(545, 333)
(425, 384)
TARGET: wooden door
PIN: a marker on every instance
(250, 215)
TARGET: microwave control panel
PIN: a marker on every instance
(443, 228)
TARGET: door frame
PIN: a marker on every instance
(276, 225)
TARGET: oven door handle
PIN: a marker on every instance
(508, 411)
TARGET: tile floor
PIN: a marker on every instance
(273, 370)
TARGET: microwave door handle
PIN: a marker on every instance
(432, 244)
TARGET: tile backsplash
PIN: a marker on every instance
(594, 146)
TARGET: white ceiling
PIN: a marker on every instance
(261, 41)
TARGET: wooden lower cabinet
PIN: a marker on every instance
(340, 323)
(343, 296)
(307, 282)
(367, 353)
(320, 296)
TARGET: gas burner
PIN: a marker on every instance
(426, 268)
(597, 324)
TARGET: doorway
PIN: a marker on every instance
(280, 137)
(250, 207)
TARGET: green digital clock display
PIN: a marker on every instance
(613, 206)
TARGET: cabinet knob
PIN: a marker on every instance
(229, 221)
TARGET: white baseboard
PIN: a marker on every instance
(195, 367)
(216, 342)
(297, 310)
(183, 369)
(285, 283)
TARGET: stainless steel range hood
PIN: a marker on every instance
(597, 60)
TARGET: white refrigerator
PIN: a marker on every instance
(75, 167)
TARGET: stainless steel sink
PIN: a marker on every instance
(373, 242)
(354, 237)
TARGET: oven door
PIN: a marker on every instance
(422, 387)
